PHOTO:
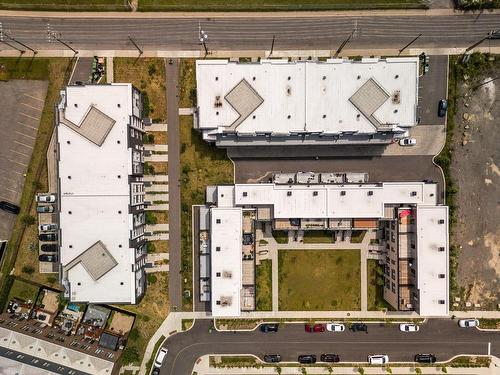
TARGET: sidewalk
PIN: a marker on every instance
(202, 368)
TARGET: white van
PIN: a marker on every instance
(378, 359)
(160, 357)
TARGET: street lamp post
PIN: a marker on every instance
(18, 42)
(409, 44)
(136, 46)
(202, 36)
(488, 36)
(344, 43)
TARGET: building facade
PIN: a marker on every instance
(278, 102)
(101, 193)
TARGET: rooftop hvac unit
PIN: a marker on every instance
(441, 275)
(342, 192)
(441, 248)
(413, 193)
(370, 193)
(289, 193)
(227, 274)
(441, 301)
(441, 221)
(315, 193)
(226, 301)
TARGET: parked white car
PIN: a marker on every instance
(335, 327)
(46, 198)
(408, 327)
(160, 357)
(468, 323)
(48, 227)
(407, 142)
(378, 359)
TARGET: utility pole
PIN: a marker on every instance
(409, 44)
(54, 35)
(488, 36)
(136, 46)
(18, 42)
(202, 36)
(272, 46)
(344, 43)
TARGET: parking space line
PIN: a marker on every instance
(20, 153)
(33, 97)
(18, 162)
(11, 171)
(26, 135)
(30, 106)
(28, 126)
(24, 114)
(10, 179)
(6, 188)
(23, 144)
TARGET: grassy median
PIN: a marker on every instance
(66, 5)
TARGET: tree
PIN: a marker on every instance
(28, 269)
(130, 355)
(361, 370)
(418, 370)
(278, 369)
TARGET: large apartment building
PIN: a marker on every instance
(282, 102)
(411, 236)
(101, 193)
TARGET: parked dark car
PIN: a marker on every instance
(49, 247)
(48, 237)
(442, 108)
(269, 327)
(330, 358)
(315, 327)
(47, 258)
(9, 207)
(359, 327)
(156, 371)
(425, 358)
(307, 358)
(272, 358)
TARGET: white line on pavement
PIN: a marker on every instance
(30, 106)
(33, 97)
(20, 153)
(28, 126)
(23, 144)
(24, 114)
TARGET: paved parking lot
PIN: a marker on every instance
(21, 105)
(432, 88)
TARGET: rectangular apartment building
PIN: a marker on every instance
(411, 229)
(101, 193)
(281, 102)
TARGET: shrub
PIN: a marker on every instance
(151, 218)
(134, 334)
(28, 220)
(151, 247)
(152, 69)
(152, 278)
(28, 270)
(51, 279)
(145, 104)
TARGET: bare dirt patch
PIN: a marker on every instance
(476, 174)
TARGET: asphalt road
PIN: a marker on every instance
(442, 338)
(253, 33)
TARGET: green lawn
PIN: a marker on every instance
(23, 291)
(263, 286)
(281, 236)
(375, 278)
(202, 164)
(318, 236)
(274, 5)
(187, 75)
(319, 280)
(64, 5)
(357, 236)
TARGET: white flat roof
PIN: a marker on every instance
(334, 201)
(307, 96)
(226, 235)
(94, 187)
(431, 262)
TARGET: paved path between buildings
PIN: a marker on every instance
(156, 228)
(157, 127)
(156, 148)
(156, 178)
(157, 207)
(156, 188)
(175, 286)
(110, 75)
(156, 197)
(156, 158)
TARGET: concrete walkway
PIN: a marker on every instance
(156, 157)
(156, 148)
(156, 177)
(202, 367)
(156, 228)
(156, 128)
(157, 207)
(158, 237)
(185, 111)
(156, 197)
(156, 188)
(110, 78)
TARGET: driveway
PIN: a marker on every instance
(433, 86)
(442, 338)
(379, 168)
(21, 105)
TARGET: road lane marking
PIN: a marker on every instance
(19, 152)
(489, 348)
(26, 135)
(28, 126)
(17, 162)
(31, 117)
(33, 97)
(35, 108)
(23, 144)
